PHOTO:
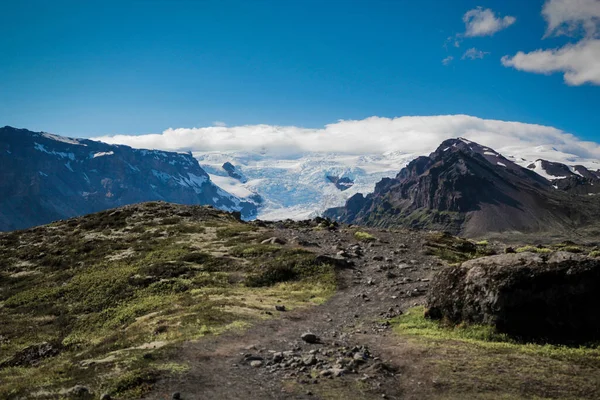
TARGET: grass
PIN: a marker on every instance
(475, 361)
(101, 286)
(455, 249)
(533, 249)
(364, 236)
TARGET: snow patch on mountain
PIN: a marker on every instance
(297, 187)
(103, 153)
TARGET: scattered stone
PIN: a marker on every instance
(77, 391)
(105, 396)
(310, 360)
(273, 240)
(176, 396)
(31, 355)
(280, 308)
(310, 338)
(256, 363)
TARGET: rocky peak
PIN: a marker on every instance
(45, 177)
(466, 188)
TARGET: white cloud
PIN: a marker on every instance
(219, 123)
(571, 16)
(483, 22)
(474, 54)
(447, 60)
(374, 135)
(579, 62)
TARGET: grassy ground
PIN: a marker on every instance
(475, 362)
(112, 292)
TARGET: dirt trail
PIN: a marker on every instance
(388, 276)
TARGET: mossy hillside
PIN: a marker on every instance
(476, 362)
(118, 285)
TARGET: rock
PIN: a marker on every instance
(280, 308)
(31, 355)
(337, 372)
(273, 240)
(530, 296)
(310, 338)
(105, 396)
(176, 396)
(309, 360)
(78, 391)
(256, 363)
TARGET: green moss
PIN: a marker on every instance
(533, 249)
(454, 249)
(364, 236)
(234, 230)
(104, 286)
(469, 360)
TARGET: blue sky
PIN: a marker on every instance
(90, 68)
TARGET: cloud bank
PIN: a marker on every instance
(579, 62)
(374, 135)
(565, 17)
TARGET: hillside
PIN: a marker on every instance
(45, 177)
(470, 189)
(165, 301)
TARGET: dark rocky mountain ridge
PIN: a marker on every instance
(575, 179)
(470, 189)
(45, 177)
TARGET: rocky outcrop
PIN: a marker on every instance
(342, 183)
(45, 177)
(233, 172)
(530, 296)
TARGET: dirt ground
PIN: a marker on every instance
(385, 277)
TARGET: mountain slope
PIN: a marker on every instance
(470, 189)
(46, 177)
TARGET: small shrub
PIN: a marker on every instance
(572, 249)
(234, 230)
(364, 236)
(482, 243)
(171, 220)
(533, 249)
(595, 253)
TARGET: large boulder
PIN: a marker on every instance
(552, 297)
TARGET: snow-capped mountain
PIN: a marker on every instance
(472, 190)
(305, 185)
(45, 177)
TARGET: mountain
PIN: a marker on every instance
(466, 188)
(304, 185)
(45, 177)
(573, 179)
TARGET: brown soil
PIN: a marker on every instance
(390, 276)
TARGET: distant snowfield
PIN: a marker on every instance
(288, 166)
